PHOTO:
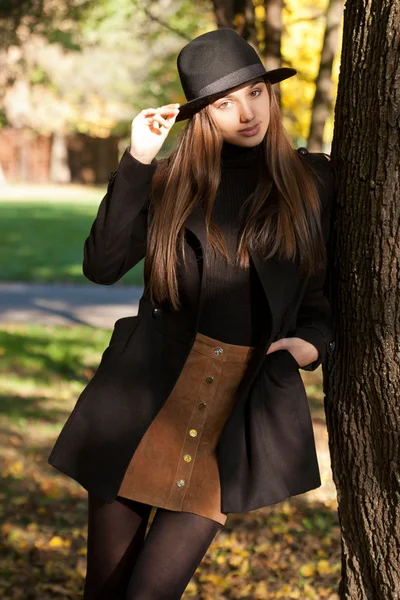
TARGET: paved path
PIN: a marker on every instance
(67, 304)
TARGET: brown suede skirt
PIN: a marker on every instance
(175, 464)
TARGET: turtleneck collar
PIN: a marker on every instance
(239, 157)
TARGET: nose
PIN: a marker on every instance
(247, 114)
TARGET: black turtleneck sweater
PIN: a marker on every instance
(234, 309)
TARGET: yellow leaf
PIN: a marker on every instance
(244, 567)
(262, 548)
(323, 567)
(261, 590)
(235, 560)
(283, 592)
(57, 542)
(307, 570)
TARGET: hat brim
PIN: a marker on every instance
(188, 109)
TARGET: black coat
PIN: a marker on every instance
(266, 451)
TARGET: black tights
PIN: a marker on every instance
(124, 564)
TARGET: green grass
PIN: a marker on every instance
(42, 241)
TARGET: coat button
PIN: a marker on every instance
(187, 458)
(193, 432)
(209, 379)
(302, 150)
(332, 346)
(201, 406)
(218, 350)
(180, 483)
(156, 312)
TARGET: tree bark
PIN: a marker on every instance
(362, 379)
(322, 102)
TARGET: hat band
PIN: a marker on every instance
(232, 79)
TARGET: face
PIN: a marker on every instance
(245, 106)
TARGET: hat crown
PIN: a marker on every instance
(215, 62)
(213, 56)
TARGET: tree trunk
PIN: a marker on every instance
(59, 168)
(322, 102)
(362, 380)
(273, 27)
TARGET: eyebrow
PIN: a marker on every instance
(249, 86)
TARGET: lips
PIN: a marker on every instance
(249, 128)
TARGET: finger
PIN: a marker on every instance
(169, 106)
(157, 119)
(162, 121)
(168, 109)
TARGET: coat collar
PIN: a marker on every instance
(279, 278)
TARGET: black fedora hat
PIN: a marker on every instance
(215, 62)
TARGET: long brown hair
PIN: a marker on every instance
(281, 216)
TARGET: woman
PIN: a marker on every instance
(198, 406)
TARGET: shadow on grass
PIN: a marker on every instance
(52, 354)
(30, 408)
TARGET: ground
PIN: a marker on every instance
(54, 325)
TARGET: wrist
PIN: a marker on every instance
(146, 160)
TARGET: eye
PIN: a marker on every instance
(252, 92)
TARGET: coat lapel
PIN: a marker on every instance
(278, 277)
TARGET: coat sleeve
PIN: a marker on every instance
(314, 317)
(117, 239)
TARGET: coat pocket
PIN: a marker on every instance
(122, 333)
(282, 367)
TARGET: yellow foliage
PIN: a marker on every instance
(301, 46)
(219, 581)
(191, 589)
(323, 567)
(58, 542)
(244, 567)
(262, 548)
(260, 591)
(235, 560)
(14, 469)
(286, 508)
(284, 591)
(307, 569)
